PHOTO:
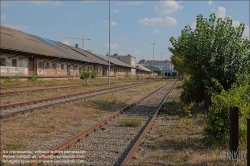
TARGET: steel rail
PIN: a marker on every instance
(6, 115)
(15, 105)
(86, 132)
(134, 148)
(53, 88)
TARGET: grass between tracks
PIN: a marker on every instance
(44, 129)
(177, 138)
(37, 95)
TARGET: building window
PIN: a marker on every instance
(47, 65)
(75, 67)
(40, 65)
(54, 66)
(14, 63)
(62, 66)
(2, 62)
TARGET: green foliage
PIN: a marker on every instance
(215, 49)
(131, 121)
(127, 75)
(12, 79)
(217, 128)
(33, 78)
(192, 90)
(94, 73)
(86, 73)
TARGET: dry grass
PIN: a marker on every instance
(177, 139)
(44, 129)
(24, 97)
(128, 121)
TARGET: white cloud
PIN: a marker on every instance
(113, 23)
(116, 11)
(66, 42)
(88, 1)
(156, 31)
(235, 23)
(135, 3)
(167, 7)
(167, 21)
(221, 12)
(193, 25)
(137, 52)
(55, 3)
(246, 32)
(4, 4)
(132, 3)
(112, 46)
(3, 17)
(209, 3)
(122, 38)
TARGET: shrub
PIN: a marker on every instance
(33, 78)
(94, 74)
(85, 74)
(88, 74)
(130, 122)
(127, 75)
(11, 79)
(217, 129)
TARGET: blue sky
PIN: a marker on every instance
(134, 24)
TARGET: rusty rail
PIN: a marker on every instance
(91, 129)
(50, 99)
(145, 131)
(54, 88)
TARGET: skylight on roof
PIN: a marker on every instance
(48, 41)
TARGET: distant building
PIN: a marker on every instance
(165, 66)
(128, 59)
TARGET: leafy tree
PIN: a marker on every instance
(177, 62)
(215, 49)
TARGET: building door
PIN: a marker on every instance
(68, 70)
(31, 66)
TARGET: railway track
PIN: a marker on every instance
(53, 88)
(108, 142)
(21, 108)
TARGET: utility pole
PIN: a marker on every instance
(161, 55)
(77, 38)
(109, 47)
(153, 51)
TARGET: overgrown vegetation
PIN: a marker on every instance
(86, 73)
(12, 79)
(130, 122)
(33, 78)
(215, 49)
(218, 125)
(215, 57)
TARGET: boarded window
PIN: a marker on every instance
(40, 65)
(47, 65)
(62, 66)
(14, 63)
(54, 65)
(2, 62)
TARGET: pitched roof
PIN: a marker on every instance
(140, 67)
(113, 60)
(12, 39)
(71, 51)
(87, 54)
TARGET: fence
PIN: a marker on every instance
(234, 126)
